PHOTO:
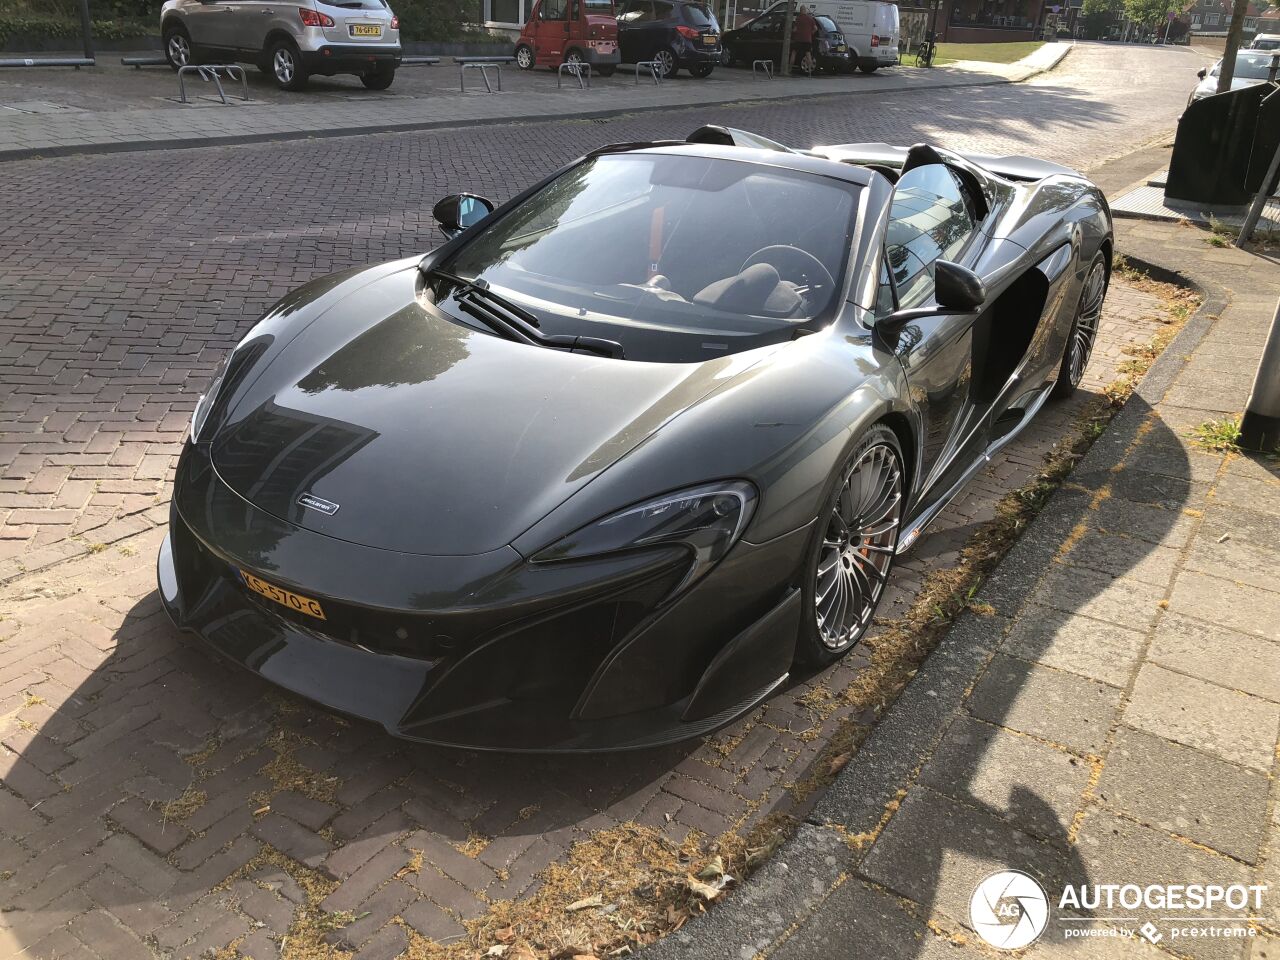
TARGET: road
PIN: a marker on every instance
(124, 279)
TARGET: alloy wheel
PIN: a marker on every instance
(283, 65)
(858, 546)
(666, 62)
(179, 50)
(574, 56)
(1084, 333)
(524, 58)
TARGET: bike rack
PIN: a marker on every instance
(577, 70)
(139, 62)
(484, 69)
(654, 68)
(762, 66)
(209, 71)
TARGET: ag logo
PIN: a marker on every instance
(1009, 909)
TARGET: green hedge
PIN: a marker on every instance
(59, 28)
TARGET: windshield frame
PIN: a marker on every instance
(841, 311)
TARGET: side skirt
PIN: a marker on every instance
(920, 523)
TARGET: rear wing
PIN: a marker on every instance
(1011, 168)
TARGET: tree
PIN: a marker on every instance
(1095, 8)
(1228, 70)
(1149, 13)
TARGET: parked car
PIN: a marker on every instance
(603, 468)
(761, 39)
(1252, 67)
(289, 41)
(1266, 41)
(677, 34)
(871, 29)
(570, 31)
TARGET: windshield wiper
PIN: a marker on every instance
(512, 322)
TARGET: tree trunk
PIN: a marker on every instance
(1228, 71)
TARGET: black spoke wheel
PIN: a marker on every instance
(854, 547)
(1084, 328)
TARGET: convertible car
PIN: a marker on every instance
(608, 466)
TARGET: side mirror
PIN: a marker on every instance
(459, 211)
(957, 288)
(1201, 73)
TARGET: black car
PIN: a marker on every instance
(599, 471)
(761, 39)
(677, 34)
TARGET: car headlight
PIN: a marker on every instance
(707, 520)
(205, 403)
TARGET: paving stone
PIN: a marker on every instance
(1127, 603)
(1115, 850)
(1065, 709)
(859, 914)
(1225, 723)
(1000, 770)
(1217, 655)
(1238, 607)
(1105, 652)
(1123, 557)
(1184, 791)
(935, 851)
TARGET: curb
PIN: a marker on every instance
(191, 143)
(818, 860)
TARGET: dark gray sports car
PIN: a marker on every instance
(598, 472)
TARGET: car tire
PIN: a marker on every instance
(524, 57)
(866, 69)
(703, 71)
(726, 55)
(1084, 328)
(853, 548)
(178, 49)
(378, 80)
(287, 69)
(668, 63)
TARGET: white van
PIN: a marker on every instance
(870, 28)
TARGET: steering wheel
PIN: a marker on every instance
(793, 264)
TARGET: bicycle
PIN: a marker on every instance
(924, 54)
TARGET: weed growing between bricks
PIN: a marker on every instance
(625, 887)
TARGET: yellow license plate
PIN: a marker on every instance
(365, 30)
(708, 40)
(286, 598)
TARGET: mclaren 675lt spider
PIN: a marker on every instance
(604, 468)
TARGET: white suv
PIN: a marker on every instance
(289, 41)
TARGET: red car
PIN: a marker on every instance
(570, 31)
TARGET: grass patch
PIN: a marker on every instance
(986, 52)
(1221, 436)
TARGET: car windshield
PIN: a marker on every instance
(700, 15)
(1266, 43)
(827, 25)
(1250, 65)
(670, 255)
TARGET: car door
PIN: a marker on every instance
(631, 29)
(930, 220)
(250, 20)
(660, 33)
(552, 32)
(210, 24)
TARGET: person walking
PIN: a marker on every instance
(802, 33)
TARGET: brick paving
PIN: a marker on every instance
(143, 782)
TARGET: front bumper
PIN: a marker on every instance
(331, 58)
(488, 651)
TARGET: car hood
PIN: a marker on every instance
(384, 424)
(1209, 86)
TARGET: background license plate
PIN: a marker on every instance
(365, 30)
(286, 598)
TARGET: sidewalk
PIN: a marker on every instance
(162, 124)
(1114, 721)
